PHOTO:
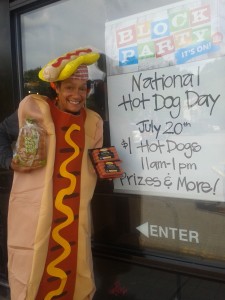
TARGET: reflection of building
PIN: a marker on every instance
(31, 87)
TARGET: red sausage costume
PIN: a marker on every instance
(49, 247)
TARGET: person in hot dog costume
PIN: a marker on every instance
(49, 251)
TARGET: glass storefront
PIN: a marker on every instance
(159, 87)
(159, 58)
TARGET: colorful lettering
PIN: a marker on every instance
(179, 21)
(201, 34)
(164, 46)
(143, 30)
(128, 56)
(126, 36)
(160, 29)
(146, 50)
(200, 15)
(182, 38)
(186, 32)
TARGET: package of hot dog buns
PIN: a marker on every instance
(106, 162)
(30, 148)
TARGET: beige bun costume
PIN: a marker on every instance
(49, 251)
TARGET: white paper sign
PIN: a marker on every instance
(168, 123)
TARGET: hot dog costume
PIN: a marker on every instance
(49, 251)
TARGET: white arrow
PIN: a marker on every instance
(144, 228)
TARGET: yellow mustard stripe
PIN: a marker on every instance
(52, 269)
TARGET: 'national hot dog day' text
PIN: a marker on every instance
(163, 139)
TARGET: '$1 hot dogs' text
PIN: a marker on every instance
(188, 148)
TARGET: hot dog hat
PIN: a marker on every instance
(71, 64)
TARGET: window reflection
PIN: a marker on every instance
(68, 24)
(65, 25)
(56, 29)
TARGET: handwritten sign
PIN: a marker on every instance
(166, 93)
(169, 128)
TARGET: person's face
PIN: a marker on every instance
(72, 94)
